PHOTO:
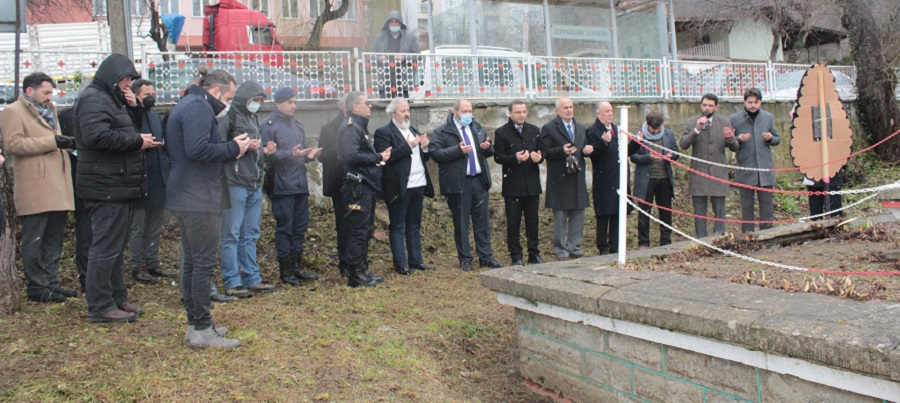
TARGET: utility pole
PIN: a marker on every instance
(118, 14)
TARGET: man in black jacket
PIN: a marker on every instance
(404, 185)
(517, 149)
(461, 148)
(110, 177)
(362, 182)
(603, 136)
(149, 211)
(333, 176)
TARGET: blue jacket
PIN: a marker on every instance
(197, 155)
(156, 162)
(288, 173)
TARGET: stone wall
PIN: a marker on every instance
(598, 334)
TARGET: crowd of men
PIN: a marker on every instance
(119, 166)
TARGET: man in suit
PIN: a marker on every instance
(563, 145)
(461, 148)
(757, 135)
(404, 185)
(604, 136)
(517, 149)
(333, 176)
(708, 135)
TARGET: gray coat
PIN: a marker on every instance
(708, 145)
(408, 41)
(756, 152)
(641, 160)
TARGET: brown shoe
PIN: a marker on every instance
(116, 315)
(141, 275)
(159, 272)
(132, 308)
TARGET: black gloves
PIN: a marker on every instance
(65, 142)
(572, 166)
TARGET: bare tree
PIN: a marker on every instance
(327, 14)
(876, 50)
(51, 11)
(9, 279)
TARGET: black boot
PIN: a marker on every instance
(286, 267)
(358, 277)
(378, 279)
(343, 269)
(301, 272)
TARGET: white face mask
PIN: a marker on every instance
(253, 107)
(394, 28)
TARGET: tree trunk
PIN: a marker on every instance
(158, 31)
(315, 36)
(875, 78)
(9, 279)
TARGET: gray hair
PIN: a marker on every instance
(558, 100)
(396, 102)
(342, 102)
(353, 98)
(600, 105)
(458, 103)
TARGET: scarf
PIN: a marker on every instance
(651, 136)
(46, 113)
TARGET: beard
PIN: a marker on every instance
(403, 124)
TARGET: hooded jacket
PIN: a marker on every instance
(408, 42)
(288, 173)
(247, 172)
(110, 160)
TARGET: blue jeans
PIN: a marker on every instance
(240, 230)
(405, 228)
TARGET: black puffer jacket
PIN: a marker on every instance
(110, 160)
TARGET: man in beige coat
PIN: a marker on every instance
(708, 135)
(43, 184)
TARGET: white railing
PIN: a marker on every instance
(716, 49)
(326, 76)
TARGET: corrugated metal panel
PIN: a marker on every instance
(88, 36)
(8, 42)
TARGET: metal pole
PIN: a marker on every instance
(623, 182)
(473, 28)
(430, 25)
(547, 29)
(18, 49)
(663, 28)
(613, 29)
(672, 29)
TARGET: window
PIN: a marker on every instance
(168, 7)
(260, 36)
(138, 8)
(197, 7)
(423, 7)
(290, 9)
(317, 6)
(448, 4)
(260, 5)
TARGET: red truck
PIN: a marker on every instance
(230, 26)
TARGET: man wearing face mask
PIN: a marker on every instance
(196, 193)
(394, 38)
(404, 185)
(287, 185)
(461, 148)
(110, 176)
(708, 135)
(240, 223)
(43, 186)
(147, 218)
(755, 131)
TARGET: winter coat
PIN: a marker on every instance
(110, 159)
(519, 179)
(709, 144)
(246, 172)
(156, 161)
(641, 159)
(564, 191)
(288, 174)
(408, 41)
(395, 174)
(332, 170)
(756, 152)
(197, 156)
(452, 162)
(43, 180)
(605, 168)
(356, 152)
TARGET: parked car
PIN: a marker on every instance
(7, 94)
(173, 77)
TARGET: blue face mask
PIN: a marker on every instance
(394, 28)
(465, 119)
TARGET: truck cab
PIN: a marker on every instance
(230, 26)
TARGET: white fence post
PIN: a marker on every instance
(623, 183)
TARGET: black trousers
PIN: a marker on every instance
(105, 283)
(83, 240)
(472, 202)
(607, 233)
(199, 257)
(749, 197)
(515, 208)
(817, 202)
(338, 205)
(42, 241)
(659, 190)
(291, 221)
(358, 222)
